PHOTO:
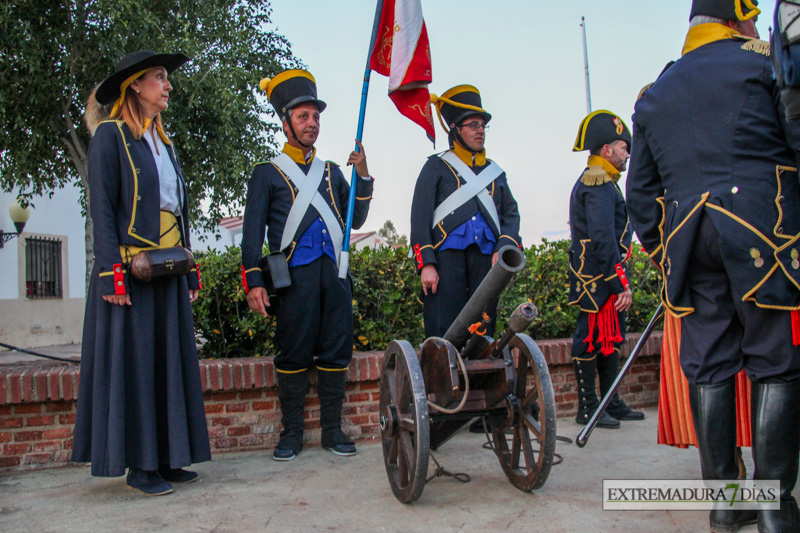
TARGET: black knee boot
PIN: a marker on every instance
(587, 397)
(607, 370)
(292, 395)
(714, 415)
(331, 386)
(776, 440)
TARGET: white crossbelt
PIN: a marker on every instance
(308, 195)
(475, 186)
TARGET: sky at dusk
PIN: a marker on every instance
(525, 57)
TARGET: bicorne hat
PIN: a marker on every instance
(111, 88)
(725, 9)
(458, 103)
(291, 88)
(600, 128)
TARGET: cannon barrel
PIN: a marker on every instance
(510, 260)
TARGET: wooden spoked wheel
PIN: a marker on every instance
(524, 445)
(405, 425)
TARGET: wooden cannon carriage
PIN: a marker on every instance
(427, 396)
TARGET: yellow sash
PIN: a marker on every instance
(170, 236)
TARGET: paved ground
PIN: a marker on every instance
(65, 351)
(321, 492)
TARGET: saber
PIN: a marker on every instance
(583, 436)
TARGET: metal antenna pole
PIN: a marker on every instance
(586, 67)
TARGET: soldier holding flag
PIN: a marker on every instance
(302, 199)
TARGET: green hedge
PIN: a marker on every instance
(386, 303)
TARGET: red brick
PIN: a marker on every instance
(349, 410)
(213, 408)
(238, 431)
(36, 459)
(263, 406)
(223, 421)
(269, 375)
(258, 375)
(27, 408)
(15, 387)
(237, 372)
(40, 421)
(5, 437)
(225, 443)
(213, 375)
(360, 397)
(369, 386)
(247, 374)
(251, 440)
(224, 396)
(67, 420)
(62, 456)
(4, 409)
(376, 396)
(16, 449)
(216, 433)
(237, 408)
(68, 386)
(22, 436)
(11, 423)
(313, 424)
(59, 407)
(369, 408)
(9, 461)
(358, 420)
(53, 385)
(251, 395)
(27, 385)
(60, 433)
(225, 371)
(3, 389)
(50, 446)
(40, 383)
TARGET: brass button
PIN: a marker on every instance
(138, 197)
(780, 230)
(138, 171)
(781, 199)
(675, 203)
(118, 269)
(133, 230)
(735, 190)
(119, 283)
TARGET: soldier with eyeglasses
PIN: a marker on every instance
(455, 235)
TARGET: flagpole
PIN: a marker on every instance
(344, 257)
(586, 68)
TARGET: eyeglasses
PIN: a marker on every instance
(475, 126)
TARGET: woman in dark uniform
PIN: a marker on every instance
(140, 403)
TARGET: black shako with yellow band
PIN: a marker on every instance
(725, 9)
(437, 181)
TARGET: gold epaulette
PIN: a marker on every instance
(595, 175)
(757, 46)
(644, 90)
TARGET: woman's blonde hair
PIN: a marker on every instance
(132, 114)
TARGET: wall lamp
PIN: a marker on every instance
(19, 216)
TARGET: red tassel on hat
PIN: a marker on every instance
(796, 327)
(609, 332)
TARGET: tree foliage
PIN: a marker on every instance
(389, 233)
(55, 51)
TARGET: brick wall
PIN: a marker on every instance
(37, 401)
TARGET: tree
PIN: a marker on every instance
(54, 52)
(389, 233)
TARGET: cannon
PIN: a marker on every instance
(426, 396)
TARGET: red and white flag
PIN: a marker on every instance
(403, 53)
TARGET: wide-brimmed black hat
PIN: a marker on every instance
(458, 103)
(725, 9)
(109, 91)
(291, 88)
(600, 128)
